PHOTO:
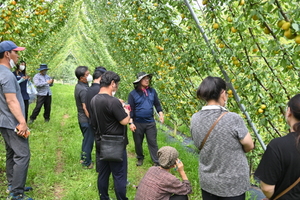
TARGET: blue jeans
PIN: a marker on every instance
(87, 143)
(119, 173)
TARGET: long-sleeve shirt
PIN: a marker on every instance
(159, 184)
(141, 103)
(42, 87)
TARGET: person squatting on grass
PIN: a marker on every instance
(159, 183)
(112, 119)
(223, 166)
(141, 100)
(83, 75)
(43, 82)
(12, 113)
(280, 164)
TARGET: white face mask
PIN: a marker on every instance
(113, 93)
(89, 78)
(12, 63)
(22, 67)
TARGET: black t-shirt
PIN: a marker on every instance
(91, 92)
(110, 112)
(280, 166)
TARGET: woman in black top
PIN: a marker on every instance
(280, 164)
(22, 78)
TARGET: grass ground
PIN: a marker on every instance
(55, 172)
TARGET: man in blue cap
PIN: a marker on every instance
(43, 82)
(12, 115)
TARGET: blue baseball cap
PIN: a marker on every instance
(9, 46)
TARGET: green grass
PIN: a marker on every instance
(55, 172)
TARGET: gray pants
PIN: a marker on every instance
(17, 160)
(148, 129)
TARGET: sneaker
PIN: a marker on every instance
(47, 120)
(26, 189)
(30, 121)
(139, 162)
(18, 197)
(91, 166)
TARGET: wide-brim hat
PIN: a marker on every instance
(140, 76)
(43, 67)
(9, 46)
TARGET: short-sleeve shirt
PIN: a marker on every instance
(280, 166)
(110, 112)
(8, 84)
(80, 97)
(161, 184)
(223, 166)
(91, 92)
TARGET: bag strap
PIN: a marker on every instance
(211, 128)
(98, 128)
(95, 113)
(287, 189)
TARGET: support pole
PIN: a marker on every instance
(236, 97)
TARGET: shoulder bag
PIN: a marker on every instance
(287, 189)
(211, 128)
(111, 146)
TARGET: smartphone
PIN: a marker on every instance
(27, 133)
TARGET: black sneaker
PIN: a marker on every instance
(30, 121)
(139, 162)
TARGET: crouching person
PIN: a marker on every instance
(159, 183)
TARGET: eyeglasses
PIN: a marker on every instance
(146, 78)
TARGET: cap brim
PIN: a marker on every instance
(19, 49)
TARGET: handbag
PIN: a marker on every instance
(111, 146)
(30, 88)
(211, 128)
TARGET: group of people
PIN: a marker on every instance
(221, 136)
(100, 112)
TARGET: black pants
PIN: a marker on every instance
(209, 196)
(148, 129)
(26, 104)
(42, 101)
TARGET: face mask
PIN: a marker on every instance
(113, 93)
(22, 67)
(89, 78)
(12, 63)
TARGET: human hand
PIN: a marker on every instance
(179, 165)
(22, 130)
(132, 127)
(161, 117)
